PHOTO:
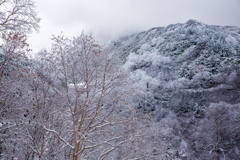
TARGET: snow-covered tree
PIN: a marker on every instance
(13, 91)
(92, 87)
(217, 135)
(18, 16)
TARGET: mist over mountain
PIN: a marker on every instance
(189, 75)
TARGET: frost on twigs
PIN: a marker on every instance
(18, 16)
(82, 102)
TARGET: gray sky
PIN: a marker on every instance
(108, 19)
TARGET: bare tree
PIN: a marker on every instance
(13, 50)
(93, 87)
(44, 104)
(18, 15)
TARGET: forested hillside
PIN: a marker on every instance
(189, 78)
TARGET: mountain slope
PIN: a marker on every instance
(191, 70)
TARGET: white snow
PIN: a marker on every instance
(231, 40)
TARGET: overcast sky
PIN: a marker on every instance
(108, 19)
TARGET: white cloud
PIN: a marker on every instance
(107, 19)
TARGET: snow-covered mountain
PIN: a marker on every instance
(191, 71)
(186, 77)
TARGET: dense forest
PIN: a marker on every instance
(169, 93)
(189, 78)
